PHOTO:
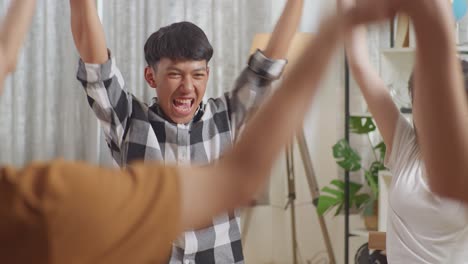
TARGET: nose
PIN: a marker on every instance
(187, 84)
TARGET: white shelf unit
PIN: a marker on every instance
(385, 181)
(396, 66)
(461, 49)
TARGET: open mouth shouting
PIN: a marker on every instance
(183, 106)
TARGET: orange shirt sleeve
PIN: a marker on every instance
(64, 212)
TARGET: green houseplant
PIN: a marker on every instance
(349, 160)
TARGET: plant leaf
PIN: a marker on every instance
(361, 124)
(372, 181)
(372, 176)
(382, 148)
(346, 157)
(338, 194)
(339, 183)
(375, 167)
(354, 188)
(361, 199)
(338, 210)
(325, 203)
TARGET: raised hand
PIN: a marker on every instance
(12, 34)
(285, 29)
(88, 32)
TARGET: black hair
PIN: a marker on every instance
(178, 41)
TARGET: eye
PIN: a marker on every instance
(199, 75)
(174, 75)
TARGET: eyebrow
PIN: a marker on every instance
(200, 69)
(173, 68)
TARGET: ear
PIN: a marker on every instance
(207, 71)
(149, 77)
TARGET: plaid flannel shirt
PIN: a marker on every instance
(136, 131)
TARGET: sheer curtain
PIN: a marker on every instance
(229, 25)
(43, 111)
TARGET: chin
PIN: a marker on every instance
(182, 120)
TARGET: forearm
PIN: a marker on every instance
(440, 102)
(88, 32)
(236, 178)
(374, 90)
(276, 122)
(285, 29)
(13, 31)
(251, 88)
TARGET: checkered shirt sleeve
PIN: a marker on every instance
(106, 94)
(252, 87)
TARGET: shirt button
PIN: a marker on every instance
(187, 261)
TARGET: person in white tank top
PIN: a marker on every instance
(422, 227)
(428, 214)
